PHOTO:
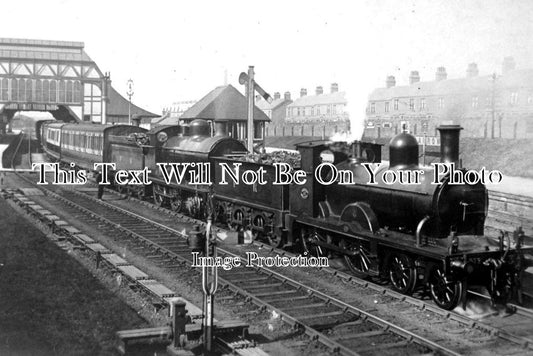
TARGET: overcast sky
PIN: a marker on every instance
(179, 50)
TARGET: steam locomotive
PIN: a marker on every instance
(414, 235)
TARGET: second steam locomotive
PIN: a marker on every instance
(412, 234)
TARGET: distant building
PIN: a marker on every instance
(489, 106)
(320, 108)
(178, 108)
(277, 109)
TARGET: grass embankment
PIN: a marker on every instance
(50, 304)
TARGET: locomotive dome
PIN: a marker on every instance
(199, 127)
(403, 151)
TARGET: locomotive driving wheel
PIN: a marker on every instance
(309, 239)
(359, 262)
(445, 291)
(402, 273)
(176, 204)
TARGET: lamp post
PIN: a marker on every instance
(130, 94)
(492, 103)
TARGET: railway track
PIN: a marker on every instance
(335, 323)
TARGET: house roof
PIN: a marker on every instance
(322, 99)
(265, 105)
(223, 103)
(514, 78)
(43, 49)
(118, 106)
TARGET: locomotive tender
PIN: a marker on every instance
(415, 235)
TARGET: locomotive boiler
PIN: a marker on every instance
(416, 204)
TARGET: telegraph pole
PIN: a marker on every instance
(251, 99)
(130, 94)
(493, 104)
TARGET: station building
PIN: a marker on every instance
(228, 108)
(61, 78)
(488, 106)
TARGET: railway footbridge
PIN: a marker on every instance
(61, 78)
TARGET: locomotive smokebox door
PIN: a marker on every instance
(304, 198)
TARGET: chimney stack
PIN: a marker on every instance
(319, 91)
(391, 81)
(508, 65)
(277, 95)
(414, 77)
(472, 70)
(334, 88)
(441, 74)
(449, 143)
(287, 95)
(303, 92)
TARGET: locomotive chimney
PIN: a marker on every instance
(183, 130)
(449, 143)
(356, 153)
(136, 120)
(221, 128)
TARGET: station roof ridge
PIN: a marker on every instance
(41, 43)
(223, 103)
(28, 49)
